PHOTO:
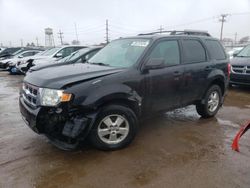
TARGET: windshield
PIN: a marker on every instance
(120, 53)
(74, 55)
(50, 52)
(245, 52)
(17, 52)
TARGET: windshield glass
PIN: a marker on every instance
(74, 55)
(120, 53)
(50, 52)
(17, 52)
(245, 52)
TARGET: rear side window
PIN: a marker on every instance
(167, 50)
(215, 50)
(194, 52)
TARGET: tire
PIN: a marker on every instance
(205, 109)
(108, 136)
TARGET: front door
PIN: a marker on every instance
(164, 84)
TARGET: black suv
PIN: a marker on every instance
(129, 79)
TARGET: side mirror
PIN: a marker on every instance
(83, 59)
(154, 63)
(235, 53)
(58, 55)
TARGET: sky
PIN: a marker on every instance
(26, 19)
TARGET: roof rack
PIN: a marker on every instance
(184, 32)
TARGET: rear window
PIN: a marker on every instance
(215, 50)
(193, 51)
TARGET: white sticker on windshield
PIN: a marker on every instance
(140, 43)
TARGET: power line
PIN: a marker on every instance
(60, 36)
(21, 40)
(222, 20)
(76, 33)
(37, 44)
(107, 31)
(160, 29)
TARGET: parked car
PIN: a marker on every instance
(233, 52)
(10, 62)
(9, 52)
(240, 68)
(1, 49)
(80, 56)
(128, 79)
(47, 57)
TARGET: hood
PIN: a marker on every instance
(244, 61)
(49, 64)
(42, 61)
(58, 77)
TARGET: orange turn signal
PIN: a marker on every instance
(66, 97)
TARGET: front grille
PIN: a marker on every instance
(29, 94)
(241, 69)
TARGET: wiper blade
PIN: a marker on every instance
(242, 56)
(102, 64)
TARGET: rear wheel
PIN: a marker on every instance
(115, 128)
(212, 102)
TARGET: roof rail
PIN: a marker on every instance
(176, 32)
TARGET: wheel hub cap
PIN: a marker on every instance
(213, 101)
(113, 129)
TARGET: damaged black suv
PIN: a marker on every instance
(129, 79)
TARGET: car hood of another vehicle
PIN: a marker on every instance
(59, 76)
(48, 64)
(244, 61)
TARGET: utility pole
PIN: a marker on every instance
(222, 20)
(21, 42)
(235, 38)
(37, 44)
(160, 29)
(61, 36)
(107, 31)
(76, 34)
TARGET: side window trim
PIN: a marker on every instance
(202, 44)
(221, 46)
(163, 40)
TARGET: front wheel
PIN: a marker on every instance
(115, 128)
(212, 102)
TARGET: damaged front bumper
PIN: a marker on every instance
(46, 120)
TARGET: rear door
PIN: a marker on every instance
(196, 69)
(164, 84)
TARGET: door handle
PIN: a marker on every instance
(208, 68)
(177, 73)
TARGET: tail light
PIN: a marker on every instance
(228, 70)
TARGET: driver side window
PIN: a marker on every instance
(168, 51)
(66, 51)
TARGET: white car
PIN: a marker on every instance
(4, 64)
(46, 57)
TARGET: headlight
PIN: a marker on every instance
(22, 62)
(11, 63)
(52, 97)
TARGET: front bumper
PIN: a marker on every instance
(240, 79)
(29, 115)
(3, 65)
(74, 127)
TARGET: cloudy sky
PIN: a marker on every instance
(26, 19)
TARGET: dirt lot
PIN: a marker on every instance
(175, 150)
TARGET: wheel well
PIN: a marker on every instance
(220, 83)
(124, 102)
